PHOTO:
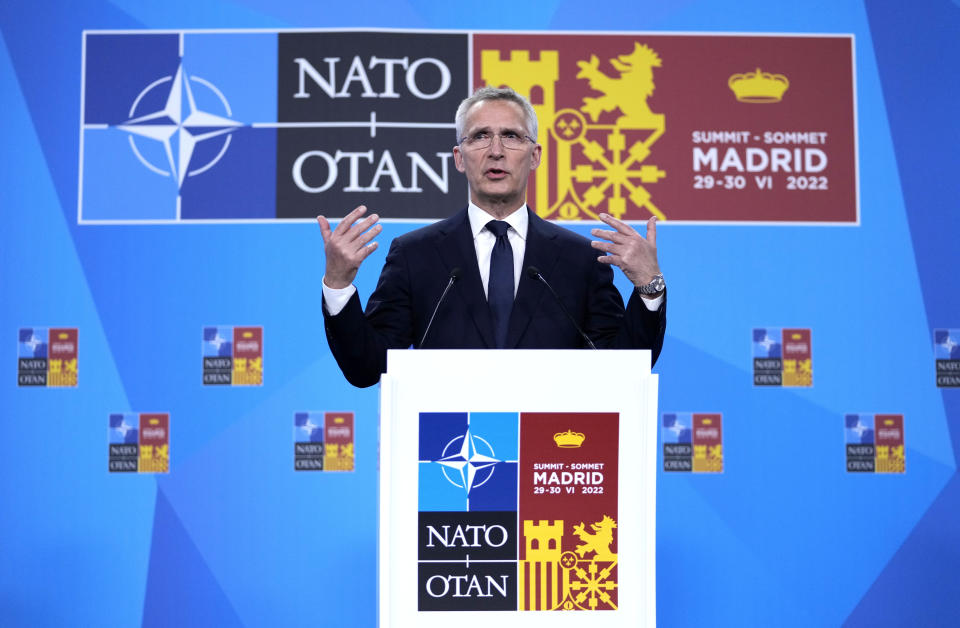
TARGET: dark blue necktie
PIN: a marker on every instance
(500, 286)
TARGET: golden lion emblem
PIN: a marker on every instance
(599, 541)
(629, 91)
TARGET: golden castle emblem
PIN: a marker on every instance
(569, 439)
(589, 166)
(553, 579)
(758, 86)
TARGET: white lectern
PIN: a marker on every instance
(517, 487)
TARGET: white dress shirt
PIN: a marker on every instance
(483, 240)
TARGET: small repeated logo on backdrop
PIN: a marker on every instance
(875, 443)
(47, 356)
(323, 441)
(518, 511)
(232, 356)
(139, 442)
(692, 441)
(782, 357)
(946, 350)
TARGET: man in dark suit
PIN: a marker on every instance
(496, 256)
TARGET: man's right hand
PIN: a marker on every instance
(347, 246)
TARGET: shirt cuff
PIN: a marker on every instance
(651, 304)
(335, 299)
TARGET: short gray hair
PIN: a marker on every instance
(496, 93)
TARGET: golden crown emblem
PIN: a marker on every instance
(568, 439)
(758, 86)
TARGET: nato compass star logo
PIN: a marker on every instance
(29, 339)
(313, 432)
(946, 345)
(465, 465)
(179, 126)
(468, 461)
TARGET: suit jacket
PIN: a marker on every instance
(418, 267)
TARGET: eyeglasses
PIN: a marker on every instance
(483, 139)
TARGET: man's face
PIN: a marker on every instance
(497, 176)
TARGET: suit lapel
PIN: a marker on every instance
(457, 251)
(543, 252)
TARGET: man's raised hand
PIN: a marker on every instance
(635, 255)
(346, 246)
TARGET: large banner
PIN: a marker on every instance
(198, 126)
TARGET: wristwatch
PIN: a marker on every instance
(655, 286)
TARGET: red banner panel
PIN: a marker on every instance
(710, 128)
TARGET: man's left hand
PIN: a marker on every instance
(635, 255)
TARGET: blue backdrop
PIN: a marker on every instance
(233, 536)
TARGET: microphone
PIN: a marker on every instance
(454, 275)
(534, 273)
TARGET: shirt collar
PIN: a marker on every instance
(519, 220)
